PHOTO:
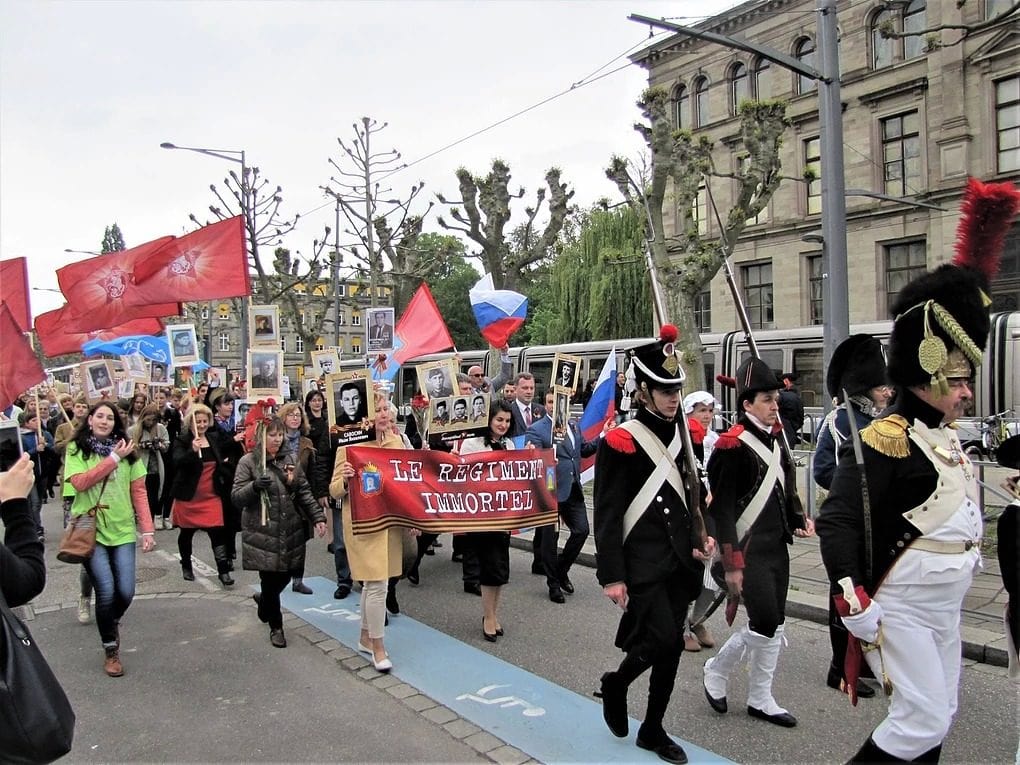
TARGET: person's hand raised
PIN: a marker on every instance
(124, 448)
(17, 482)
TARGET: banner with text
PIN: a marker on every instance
(438, 492)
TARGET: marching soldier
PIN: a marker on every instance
(649, 543)
(755, 521)
(901, 528)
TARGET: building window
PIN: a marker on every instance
(904, 262)
(283, 344)
(901, 154)
(320, 344)
(224, 341)
(682, 108)
(699, 209)
(757, 281)
(744, 165)
(341, 290)
(299, 344)
(914, 20)
(814, 265)
(342, 319)
(1007, 124)
(703, 310)
(299, 289)
(813, 163)
(701, 112)
(804, 51)
(1006, 287)
(762, 85)
(355, 346)
(739, 87)
(882, 47)
(995, 7)
(204, 312)
(224, 310)
(356, 320)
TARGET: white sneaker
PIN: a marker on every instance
(84, 610)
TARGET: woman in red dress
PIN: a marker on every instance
(199, 485)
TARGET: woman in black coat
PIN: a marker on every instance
(22, 569)
(276, 503)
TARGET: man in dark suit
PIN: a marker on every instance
(569, 498)
(525, 410)
(380, 333)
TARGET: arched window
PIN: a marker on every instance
(739, 86)
(701, 113)
(804, 51)
(882, 47)
(682, 108)
(914, 20)
(762, 84)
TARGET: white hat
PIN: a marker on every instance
(698, 397)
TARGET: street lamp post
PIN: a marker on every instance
(238, 156)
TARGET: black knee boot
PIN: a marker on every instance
(613, 692)
(223, 565)
(660, 689)
(870, 753)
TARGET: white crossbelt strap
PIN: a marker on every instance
(665, 470)
(773, 474)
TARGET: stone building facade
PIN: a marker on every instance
(919, 118)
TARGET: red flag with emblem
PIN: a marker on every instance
(14, 291)
(207, 264)
(59, 332)
(101, 291)
(19, 367)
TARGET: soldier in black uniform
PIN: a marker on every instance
(901, 556)
(650, 547)
(755, 520)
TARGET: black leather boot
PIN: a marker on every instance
(223, 565)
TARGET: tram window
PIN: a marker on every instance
(807, 363)
(542, 371)
(773, 358)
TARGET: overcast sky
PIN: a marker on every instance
(88, 91)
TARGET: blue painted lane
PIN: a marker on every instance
(548, 722)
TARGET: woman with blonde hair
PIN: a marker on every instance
(200, 484)
(301, 447)
(375, 557)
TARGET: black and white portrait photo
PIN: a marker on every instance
(349, 401)
(437, 379)
(265, 371)
(98, 377)
(264, 326)
(183, 344)
(379, 333)
(325, 362)
(565, 371)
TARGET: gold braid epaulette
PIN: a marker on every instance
(888, 436)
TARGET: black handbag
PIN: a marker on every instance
(36, 718)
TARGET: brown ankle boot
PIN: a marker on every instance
(112, 665)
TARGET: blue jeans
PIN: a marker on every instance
(112, 570)
(343, 567)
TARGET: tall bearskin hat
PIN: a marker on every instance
(941, 318)
(857, 366)
(755, 376)
(657, 364)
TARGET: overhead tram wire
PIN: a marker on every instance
(587, 80)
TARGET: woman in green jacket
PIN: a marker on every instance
(104, 470)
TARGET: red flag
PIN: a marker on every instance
(59, 332)
(19, 367)
(101, 291)
(420, 330)
(14, 291)
(207, 264)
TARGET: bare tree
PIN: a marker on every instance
(687, 261)
(483, 213)
(379, 226)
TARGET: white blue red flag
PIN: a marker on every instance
(499, 313)
(601, 407)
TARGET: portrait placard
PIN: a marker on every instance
(561, 412)
(184, 378)
(325, 362)
(566, 370)
(350, 401)
(216, 376)
(265, 374)
(379, 332)
(264, 326)
(136, 367)
(97, 377)
(159, 373)
(438, 379)
(183, 344)
(454, 417)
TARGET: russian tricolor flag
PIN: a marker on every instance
(499, 313)
(601, 407)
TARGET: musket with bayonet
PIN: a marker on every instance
(692, 482)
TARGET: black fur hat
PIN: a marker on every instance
(857, 366)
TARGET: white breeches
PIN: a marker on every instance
(921, 656)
